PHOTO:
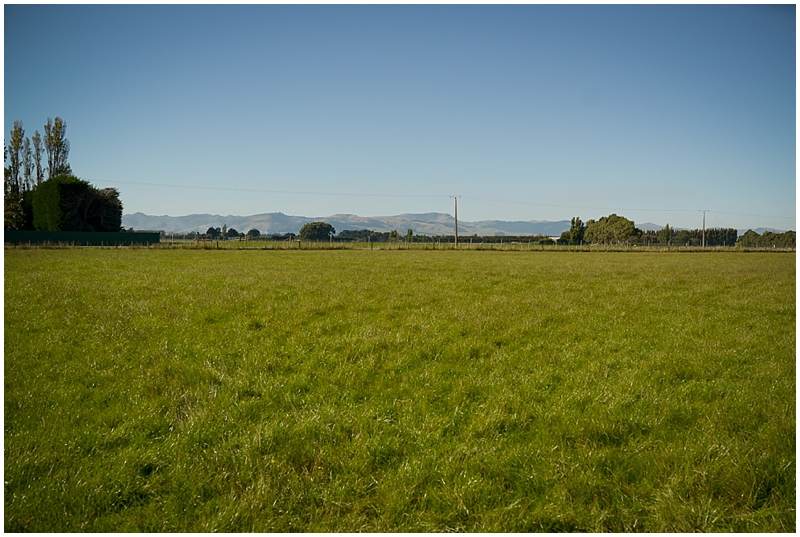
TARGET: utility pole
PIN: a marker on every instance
(704, 227)
(455, 198)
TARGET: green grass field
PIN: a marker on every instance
(223, 390)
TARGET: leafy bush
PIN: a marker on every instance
(611, 229)
(316, 231)
(48, 212)
(66, 203)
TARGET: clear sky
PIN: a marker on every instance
(528, 112)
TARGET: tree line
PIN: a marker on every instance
(769, 239)
(611, 230)
(322, 231)
(59, 202)
(310, 232)
(618, 230)
(608, 230)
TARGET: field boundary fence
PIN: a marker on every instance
(441, 246)
(79, 238)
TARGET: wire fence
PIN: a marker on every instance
(167, 242)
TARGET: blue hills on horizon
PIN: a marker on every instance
(267, 223)
(420, 224)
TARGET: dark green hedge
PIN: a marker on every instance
(66, 203)
(80, 238)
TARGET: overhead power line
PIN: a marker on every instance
(758, 215)
(433, 196)
(266, 191)
(595, 207)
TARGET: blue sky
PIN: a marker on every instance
(528, 112)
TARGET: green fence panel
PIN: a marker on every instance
(80, 238)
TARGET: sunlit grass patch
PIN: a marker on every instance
(204, 390)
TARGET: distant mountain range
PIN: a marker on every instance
(420, 224)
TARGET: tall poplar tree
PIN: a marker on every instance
(37, 156)
(576, 229)
(57, 147)
(15, 154)
(27, 165)
(12, 193)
